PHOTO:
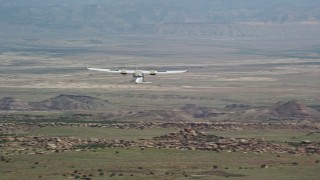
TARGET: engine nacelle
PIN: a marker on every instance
(123, 72)
(153, 72)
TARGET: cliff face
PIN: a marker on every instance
(231, 18)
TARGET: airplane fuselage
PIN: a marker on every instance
(138, 77)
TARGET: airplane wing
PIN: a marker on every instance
(154, 72)
(122, 71)
(125, 71)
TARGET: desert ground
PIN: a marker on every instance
(246, 109)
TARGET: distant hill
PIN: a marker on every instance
(291, 110)
(70, 102)
(13, 104)
(61, 102)
(222, 18)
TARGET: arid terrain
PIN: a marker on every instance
(240, 98)
(248, 108)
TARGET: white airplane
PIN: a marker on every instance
(138, 75)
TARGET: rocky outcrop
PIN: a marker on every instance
(12, 128)
(156, 115)
(200, 111)
(186, 139)
(195, 140)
